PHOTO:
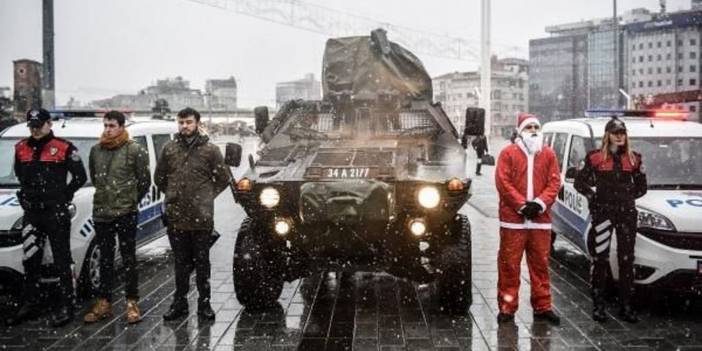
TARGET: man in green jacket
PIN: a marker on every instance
(119, 170)
(191, 172)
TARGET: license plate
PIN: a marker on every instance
(347, 172)
(699, 268)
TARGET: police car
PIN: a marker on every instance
(669, 242)
(83, 129)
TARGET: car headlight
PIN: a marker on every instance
(269, 197)
(653, 220)
(428, 197)
(19, 224)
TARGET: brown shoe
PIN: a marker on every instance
(101, 309)
(133, 313)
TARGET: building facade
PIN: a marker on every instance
(663, 55)
(459, 90)
(176, 91)
(222, 94)
(307, 88)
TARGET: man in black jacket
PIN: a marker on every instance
(42, 165)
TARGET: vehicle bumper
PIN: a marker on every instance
(670, 267)
(11, 259)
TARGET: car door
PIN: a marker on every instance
(574, 209)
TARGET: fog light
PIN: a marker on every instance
(282, 227)
(455, 184)
(418, 227)
(269, 197)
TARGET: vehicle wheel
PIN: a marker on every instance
(257, 267)
(89, 280)
(454, 283)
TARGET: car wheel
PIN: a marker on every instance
(89, 280)
(257, 267)
(454, 283)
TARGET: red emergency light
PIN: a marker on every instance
(670, 114)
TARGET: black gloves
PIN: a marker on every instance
(531, 209)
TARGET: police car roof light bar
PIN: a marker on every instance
(661, 114)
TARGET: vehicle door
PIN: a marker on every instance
(574, 209)
(563, 216)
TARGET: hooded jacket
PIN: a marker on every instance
(191, 175)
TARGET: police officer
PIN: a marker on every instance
(617, 173)
(481, 148)
(42, 165)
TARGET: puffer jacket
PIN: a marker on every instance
(191, 176)
(121, 178)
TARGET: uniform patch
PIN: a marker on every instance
(642, 169)
(581, 165)
(53, 150)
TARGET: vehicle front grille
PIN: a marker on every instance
(10, 238)
(678, 240)
(354, 158)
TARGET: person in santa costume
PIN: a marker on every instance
(527, 179)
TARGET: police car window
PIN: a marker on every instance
(548, 137)
(160, 141)
(671, 163)
(578, 151)
(141, 140)
(559, 146)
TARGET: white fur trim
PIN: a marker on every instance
(541, 203)
(526, 225)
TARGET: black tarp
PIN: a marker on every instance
(367, 67)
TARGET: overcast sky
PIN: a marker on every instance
(108, 47)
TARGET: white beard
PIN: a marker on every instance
(533, 142)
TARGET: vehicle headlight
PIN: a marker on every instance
(269, 197)
(19, 224)
(428, 197)
(653, 220)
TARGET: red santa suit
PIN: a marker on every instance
(522, 176)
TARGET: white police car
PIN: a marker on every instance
(669, 243)
(83, 129)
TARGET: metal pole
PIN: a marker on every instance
(615, 26)
(47, 76)
(485, 65)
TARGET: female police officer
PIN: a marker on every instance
(617, 174)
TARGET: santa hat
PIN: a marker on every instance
(525, 119)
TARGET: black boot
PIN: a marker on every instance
(178, 309)
(204, 311)
(62, 316)
(548, 316)
(628, 314)
(26, 312)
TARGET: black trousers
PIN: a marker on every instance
(54, 226)
(479, 162)
(191, 250)
(623, 222)
(124, 228)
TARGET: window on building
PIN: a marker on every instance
(650, 70)
(640, 58)
(659, 70)
(693, 42)
(650, 83)
(640, 46)
(641, 71)
(680, 82)
(650, 45)
(633, 47)
(633, 72)
(693, 68)
(659, 44)
(659, 83)
(693, 108)
(659, 57)
(650, 58)
(680, 42)
(668, 56)
(668, 70)
(640, 84)
(693, 82)
(667, 82)
(680, 69)
(693, 55)
(680, 56)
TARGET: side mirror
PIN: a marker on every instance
(232, 156)
(261, 114)
(475, 121)
(571, 173)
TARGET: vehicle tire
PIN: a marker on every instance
(257, 267)
(454, 284)
(89, 280)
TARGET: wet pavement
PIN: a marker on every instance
(370, 311)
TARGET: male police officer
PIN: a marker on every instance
(42, 165)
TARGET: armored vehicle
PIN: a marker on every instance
(370, 178)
